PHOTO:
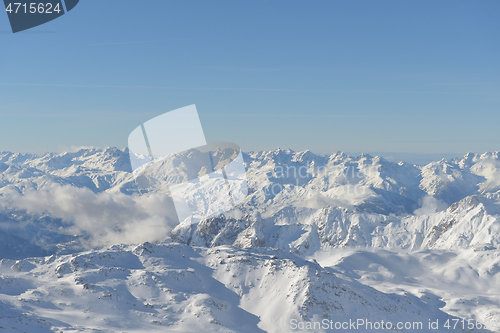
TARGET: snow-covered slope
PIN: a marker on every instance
(175, 288)
(473, 222)
(466, 281)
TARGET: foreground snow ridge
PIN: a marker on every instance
(176, 288)
(321, 244)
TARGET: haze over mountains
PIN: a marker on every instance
(333, 237)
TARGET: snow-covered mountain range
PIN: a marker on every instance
(318, 237)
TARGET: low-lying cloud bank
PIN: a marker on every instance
(430, 205)
(107, 218)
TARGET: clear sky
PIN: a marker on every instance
(358, 76)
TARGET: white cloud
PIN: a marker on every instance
(108, 218)
(489, 168)
(72, 149)
(430, 205)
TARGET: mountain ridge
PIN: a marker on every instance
(317, 237)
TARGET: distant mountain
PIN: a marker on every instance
(282, 175)
(337, 200)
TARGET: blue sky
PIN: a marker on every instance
(356, 76)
